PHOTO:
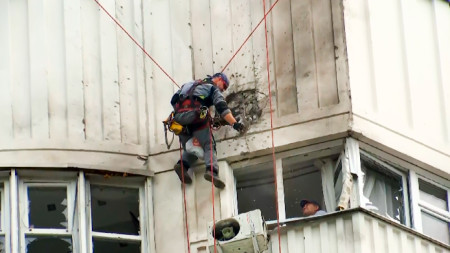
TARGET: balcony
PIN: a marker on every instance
(351, 231)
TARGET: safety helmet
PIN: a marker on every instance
(224, 78)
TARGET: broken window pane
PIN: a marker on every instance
(433, 195)
(256, 190)
(383, 190)
(40, 244)
(115, 210)
(436, 228)
(47, 207)
(110, 246)
(301, 181)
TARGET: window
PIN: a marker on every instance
(2, 219)
(384, 189)
(47, 216)
(300, 179)
(256, 190)
(434, 210)
(115, 219)
(74, 213)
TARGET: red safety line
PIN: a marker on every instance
(212, 185)
(184, 198)
(250, 35)
(137, 43)
(271, 129)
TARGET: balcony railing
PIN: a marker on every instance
(351, 231)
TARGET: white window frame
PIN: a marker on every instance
(5, 214)
(419, 205)
(116, 182)
(310, 153)
(403, 175)
(24, 228)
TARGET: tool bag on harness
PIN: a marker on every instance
(171, 125)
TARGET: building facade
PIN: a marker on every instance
(360, 94)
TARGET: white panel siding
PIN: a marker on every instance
(75, 98)
(20, 69)
(283, 46)
(38, 65)
(6, 126)
(367, 234)
(109, 74)
(90, 16)
(398, 55)
(61, 68)
(56, 53)
(202, 41)
(442, 19)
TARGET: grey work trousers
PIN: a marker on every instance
(203, 136)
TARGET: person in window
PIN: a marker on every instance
(311, 208)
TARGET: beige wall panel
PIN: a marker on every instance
(160, 88)
(397, 85)
(304, 53)
(221, 43)
(6, 127)
(202, 41)
(75, 98)
(129, 71)
(109, 53)
(258, 42)
(423, 63)
(442, 19)
(170, 229)
(39, 52)
(241, 73)
(90, 29)
(55, 69)
(389, 65)
(283, 47)
(324, 53)
(20, 69)
(62, 70)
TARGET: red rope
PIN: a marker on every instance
(137, 43)
(212, 185)
(184, 197)
(271, 129)
(250, 35)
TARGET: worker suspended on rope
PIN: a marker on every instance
(191, 103)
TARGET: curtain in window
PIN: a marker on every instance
(328, 185)
(382, 194)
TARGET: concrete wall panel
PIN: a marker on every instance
(397, 59)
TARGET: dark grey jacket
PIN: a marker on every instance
(207, 93)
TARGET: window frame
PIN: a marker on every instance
(405, 185)
(139, 184)
(309, 153)
(420, 205)
(5, 216)
(23, 211)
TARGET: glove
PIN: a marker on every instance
(238, 126)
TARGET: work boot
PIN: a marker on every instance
(217, 181)
(187, 172)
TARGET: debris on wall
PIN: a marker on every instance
(247, 105)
